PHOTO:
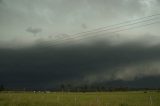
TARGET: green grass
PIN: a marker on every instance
(80, 99)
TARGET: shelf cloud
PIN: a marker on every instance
(96, 62)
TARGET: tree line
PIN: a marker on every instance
(99, 88)
(82, 88)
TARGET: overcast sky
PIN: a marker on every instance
(55, 17)
(29, 30)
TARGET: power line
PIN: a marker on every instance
(122, 26)
(139, 26)
(111, 27)
(114, 25)
(129, 21)
(125, 25)
(144, 25)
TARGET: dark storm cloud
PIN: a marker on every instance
(34, 31)
(42, 66)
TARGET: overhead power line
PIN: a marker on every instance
(130, 28)
(113, 27)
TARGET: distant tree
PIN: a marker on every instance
(62, 87)
(1, 87)
(98, 88)
(69, 87)
(92, 88)
(85, 88)
(103, 88)
(77, 89)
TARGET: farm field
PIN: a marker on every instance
(132, 98)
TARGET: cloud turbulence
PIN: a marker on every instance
(130, 58)
(98, 62)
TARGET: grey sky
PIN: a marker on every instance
(68, 16)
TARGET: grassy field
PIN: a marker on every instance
(80, 99)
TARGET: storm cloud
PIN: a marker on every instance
(1, 1)
(47, 66)
(34, 31)
(47, 60)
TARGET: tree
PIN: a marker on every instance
(85, 88)
(69, 87)
(1, 87)
(62, 87)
